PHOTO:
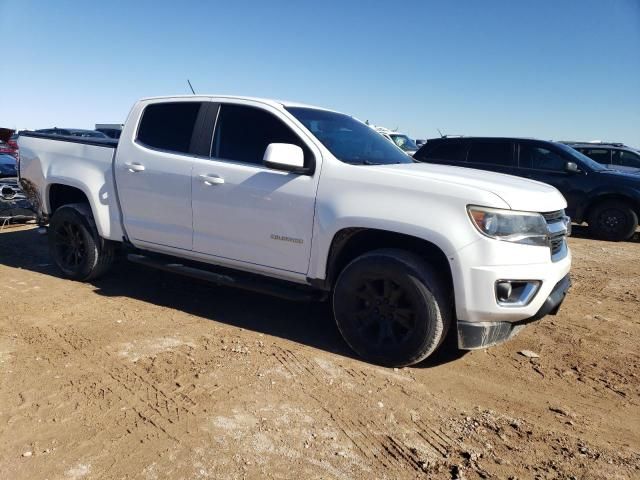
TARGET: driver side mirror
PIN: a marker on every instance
(284, 156)
(572, 167)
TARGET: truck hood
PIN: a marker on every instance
(519, 193)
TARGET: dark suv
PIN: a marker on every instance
(608, 200)
(615, 155)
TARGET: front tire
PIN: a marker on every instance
(75, 246)
(613, 220)
(391, 307)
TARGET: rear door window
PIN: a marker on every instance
(626, 159)
(243, 134)
(540, 158)
(491, 153)
(450, 152)
(169, 126)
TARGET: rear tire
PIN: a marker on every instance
(75, 245)
(391, 307)
(613, 220)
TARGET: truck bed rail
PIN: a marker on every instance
(99, 142)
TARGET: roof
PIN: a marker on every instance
(462, 138)
(268, 101)
(595, 144)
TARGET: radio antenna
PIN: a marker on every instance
(191, 87)
(441, 135)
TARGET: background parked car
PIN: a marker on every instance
(14, 205)
(8, 166)
(6, 149)
(608, 200)
(7, 145)
(404, 142)
(614, 155)
(73, 132)
(13, 141)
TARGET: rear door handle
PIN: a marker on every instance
(211, 179)
(134, 167)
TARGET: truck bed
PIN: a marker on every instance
(51, 165)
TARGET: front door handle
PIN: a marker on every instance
(134, 167)
(211, 179)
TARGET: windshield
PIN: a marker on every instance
(348, 139)
(595, 166)
(404, 142)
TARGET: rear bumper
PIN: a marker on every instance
(474, 335)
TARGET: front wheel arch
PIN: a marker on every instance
(350, 243)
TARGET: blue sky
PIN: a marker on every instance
(554, 69)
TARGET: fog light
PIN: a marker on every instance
(516, 293)
(503, 291)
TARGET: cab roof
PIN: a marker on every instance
(268, 101)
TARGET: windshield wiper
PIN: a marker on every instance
(369, 162)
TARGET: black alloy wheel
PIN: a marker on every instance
(391, 307)
(70, 246)
(75, 245)
(383, 312)
(613, 220)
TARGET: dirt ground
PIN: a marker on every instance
(148, 375)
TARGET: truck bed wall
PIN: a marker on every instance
(83, 164)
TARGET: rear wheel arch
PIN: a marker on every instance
(60, 194)
(594, 202)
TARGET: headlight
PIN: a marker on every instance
(510, 226)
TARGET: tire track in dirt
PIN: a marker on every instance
(374, 442)
(118, 386)
(161, 409)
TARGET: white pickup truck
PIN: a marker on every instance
(304, 202)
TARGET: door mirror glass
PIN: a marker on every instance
(284, 156)
(572, 167)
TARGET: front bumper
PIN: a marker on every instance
(474, 335)
(477, 267)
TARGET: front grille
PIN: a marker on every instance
(556, 244)
(554, 216)
(557, 223)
